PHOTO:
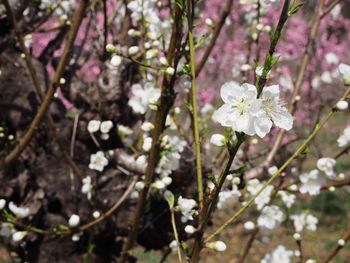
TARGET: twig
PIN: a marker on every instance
(216, 33)
(26, 138)
(37, 85)
(337, 247)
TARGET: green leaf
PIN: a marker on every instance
(295, 7)
(180, 3)
(170, 198)
(305, 151)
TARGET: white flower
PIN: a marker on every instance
(304, 220)
(240, 103)
(20, 212)
(116, 61)
(344, 139)
(249, 225)
(345, 73)
(93, 126)
(2, 203)
(332, 58)
(173, 245)
(217, 246)
(326, 165)
(186, 207)
(74, 220)
(273, 111)
(218, 139)
(147, 144)
(342, 105)
(159, 184)
(106, 126)
(189, 229)
(170, 71)
(167, 180)
(253, 187)
(18, 236)
(163, 61)
(270, 217)
(288, 199)
(143, 97)
(228, 198)
(147, 126)
(139, 185)
(98, 161)
(86, 187)
(279, 255)
(311, 183)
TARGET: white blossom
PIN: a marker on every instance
(253, 187)
(304, 221)
(344, 139)
(98, 161)
(133, 50)
(311, 183)
(106, 126)
(342, 105)
(270, 217)
(147, 126)
(279, 255)
(240, 104)
(124, 130)
(116, 60)
(147, 144)
(326, 165)
(287, 198)
(186, 207)
(74, 220)
(20, 212)
(96, 214)
(228, 198)
(143, 97)
(93, 126)
(249, 225)
(345, 73)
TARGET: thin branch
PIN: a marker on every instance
(26, 138)
(216, 33)
(337, 247)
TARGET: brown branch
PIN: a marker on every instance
(165, 103)
(330, 7)
(216, 33)
(37, 86)
(26, 138)
(337, 247)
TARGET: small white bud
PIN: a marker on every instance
(116, 61)
(189, 229)
(163, 61)
(246, 67)
(236, 180)
(18, 236)
(170, 71)
(159, 185)
(209, 22)
(341, 242)
(74, 220)
(106, 126)
(297, 236)
(249, 225)
(96, 214)
(62, 81)
(218, 139)
(147, 45)
(75, 237)
(342, 105)
(217, 246)
(2, 203)
(272, 170)
(133, 50)
(139, 185)
(341, 176)
(147, 126)
(254, 141)
(93, 126)
(134, 33)
(167, 180)
(331, 188)
(110, 48)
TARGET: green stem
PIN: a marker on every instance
(195, 114)
(278, 173)
(173, 223)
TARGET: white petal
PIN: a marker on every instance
(273, 91)
(228, 90)
(283, 119)
(262, 125)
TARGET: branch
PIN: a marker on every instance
(26, 138)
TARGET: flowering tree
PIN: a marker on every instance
(171, 125)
